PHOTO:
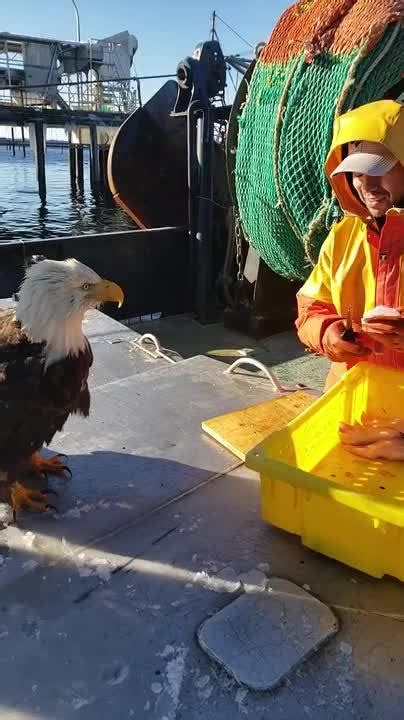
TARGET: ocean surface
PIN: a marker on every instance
(65, 213)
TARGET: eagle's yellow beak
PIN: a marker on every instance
(106, 291)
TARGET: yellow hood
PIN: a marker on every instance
(381, 121)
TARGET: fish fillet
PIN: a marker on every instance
(359, 435)
(381, 450)
(374, 422)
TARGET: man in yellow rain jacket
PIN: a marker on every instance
(361, 264)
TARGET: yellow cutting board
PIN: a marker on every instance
(240, 431)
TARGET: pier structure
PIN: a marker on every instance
(85, 89)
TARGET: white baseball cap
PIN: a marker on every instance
(367, 158)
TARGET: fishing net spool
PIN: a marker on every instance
(267, 305)
(321, 59)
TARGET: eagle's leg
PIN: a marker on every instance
(26, 497)
(53, 465)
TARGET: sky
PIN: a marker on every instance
(167, 30)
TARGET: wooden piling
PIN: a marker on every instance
(101, 164)
(94, 162)
(73, 166)
(40, 158)
(23, 141)
(80, 166)
(108, 197)
(13, 141)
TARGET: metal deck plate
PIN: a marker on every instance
(261, 637)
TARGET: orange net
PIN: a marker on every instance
(339, 26)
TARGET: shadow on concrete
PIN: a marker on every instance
(99, 607)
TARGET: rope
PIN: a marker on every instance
(278, 125)
(314, 228)
(336, 606)
(375, 63)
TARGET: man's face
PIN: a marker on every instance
(381, 192)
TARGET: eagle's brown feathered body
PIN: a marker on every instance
(45, 360)
(35, 401)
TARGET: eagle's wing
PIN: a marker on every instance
(21, 367)
(34, 403)
(65, 383)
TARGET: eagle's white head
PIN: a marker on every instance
(53, 299)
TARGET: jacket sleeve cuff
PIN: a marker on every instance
(314, 317)
(325, 324)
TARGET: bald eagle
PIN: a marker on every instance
(45, 360)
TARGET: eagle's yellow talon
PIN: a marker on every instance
(29, 498)
(52, 465)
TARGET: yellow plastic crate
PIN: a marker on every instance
(343, 506)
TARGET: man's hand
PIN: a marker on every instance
(339, 350)
(386, 331)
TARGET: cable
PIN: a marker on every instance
(232, 81)
(213, 202)
(235, 32)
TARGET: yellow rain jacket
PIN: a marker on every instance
(358, 265)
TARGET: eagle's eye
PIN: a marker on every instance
(86, 286)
